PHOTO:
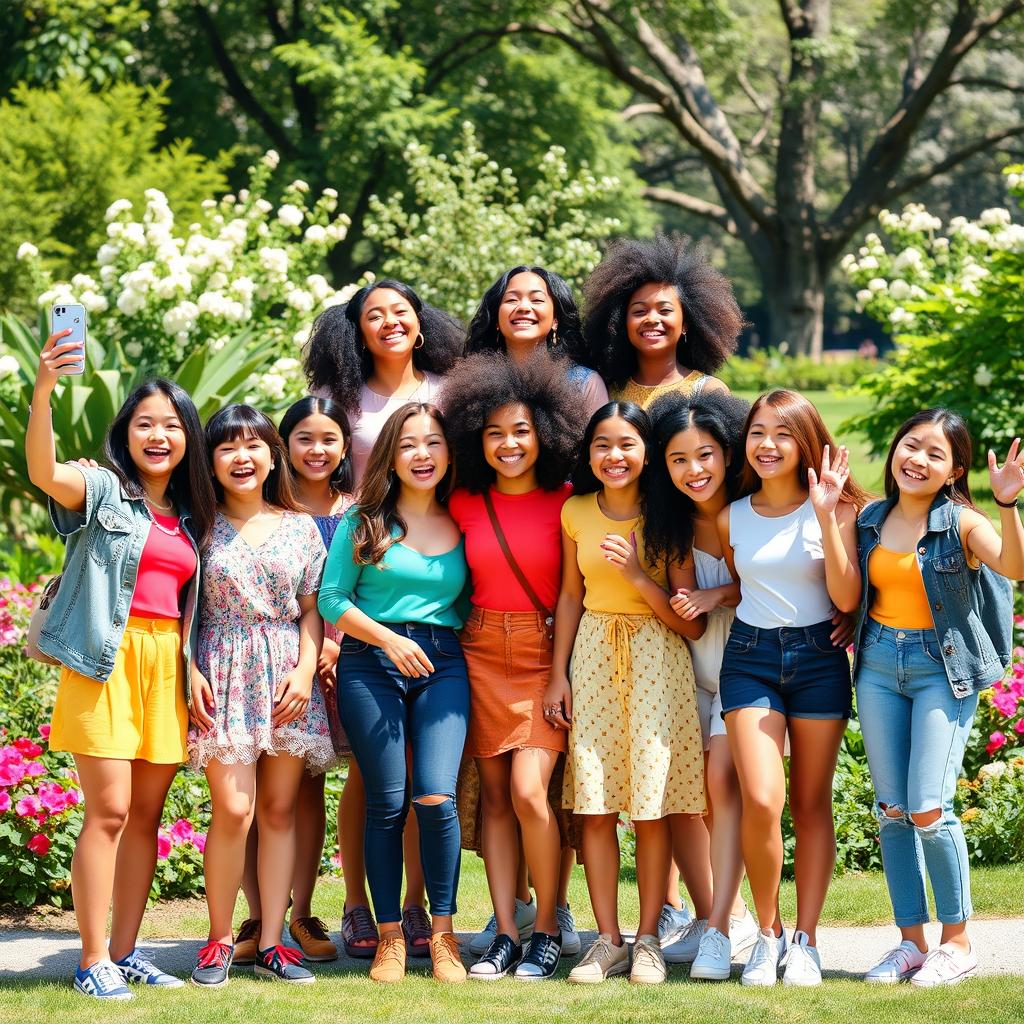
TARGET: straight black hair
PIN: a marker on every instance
(235, 421)
(583, 479)
(191, 483)
(956, 432)
(343, 478)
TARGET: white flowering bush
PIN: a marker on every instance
(952, 296)
(160, 288)
(467, 220)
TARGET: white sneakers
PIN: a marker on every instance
(803, 965)
(713, 961)
(762, 968)
(946, 965)
(897, 965)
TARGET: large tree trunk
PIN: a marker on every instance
(795, 297)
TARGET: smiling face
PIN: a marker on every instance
(526, 314)
(771, 448)
(696, 463)
(655, 320)
(922, 463)
(156, 437)
(242, 465)
(421, 457)
(388, 324)
(316, 447)
(617, 453)
(511, 446)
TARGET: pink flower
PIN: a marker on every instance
(182, 831)
(1005, 703)
(1018, 727)
(34, 768)
(163, 845)
(199, 841)
(44, 731)
(11, 774)
(995, 741)
(28, 806)
(5, 801)
(51, 796)
(39, 844)
(71, 798)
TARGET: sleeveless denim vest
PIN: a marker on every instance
(972, 609)
(87, 619)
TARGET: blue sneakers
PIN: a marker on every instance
(101, 981)
(138, 968)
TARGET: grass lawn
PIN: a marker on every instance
(349, 995)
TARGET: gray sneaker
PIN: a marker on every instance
(571, 944)
(671, 923)
(684, 949)
(526, 915)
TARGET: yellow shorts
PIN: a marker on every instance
(139, 713)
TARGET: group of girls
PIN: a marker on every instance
(644, 616)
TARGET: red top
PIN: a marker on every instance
(167, 564)
(532, 526)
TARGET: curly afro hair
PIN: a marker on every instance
(668, 526)
(487, 381)
(713, 317)
(336, 360)
(567, 341)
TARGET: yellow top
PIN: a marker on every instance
(606, 590)
(644, 395)
(900, 598)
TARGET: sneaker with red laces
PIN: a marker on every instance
(282, 963)
(213, 962)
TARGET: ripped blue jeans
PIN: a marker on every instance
(915, 732)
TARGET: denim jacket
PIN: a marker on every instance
(972, 609)
(87, 619)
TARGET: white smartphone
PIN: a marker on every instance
(70, 316)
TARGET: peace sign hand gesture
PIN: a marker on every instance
(1008, 480)
(827, 488)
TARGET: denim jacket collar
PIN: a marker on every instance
(940, 515)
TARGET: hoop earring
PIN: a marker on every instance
(419, 342)
(554, 337)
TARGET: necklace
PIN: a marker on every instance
(156, 504)
(176, 531)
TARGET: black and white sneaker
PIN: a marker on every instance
(541, 960)
(501, 957)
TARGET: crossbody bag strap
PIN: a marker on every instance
(510, 558)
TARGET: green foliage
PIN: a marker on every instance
(955, 302)
(467, 220)
(991, 809)
(84, 406)
(66, 153)
(765, 369)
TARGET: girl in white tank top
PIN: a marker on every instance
(792, 545)
(694, 470)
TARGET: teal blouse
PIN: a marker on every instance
(404, 586)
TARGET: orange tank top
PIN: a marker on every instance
(900, 598)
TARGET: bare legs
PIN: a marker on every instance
(691, 859)
(726, 855)
(123, 803)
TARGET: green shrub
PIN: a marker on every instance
(765, 369)
(991, 809)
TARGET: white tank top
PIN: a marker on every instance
(707, 652)
(781, 565)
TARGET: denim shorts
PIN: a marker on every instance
(795, 670)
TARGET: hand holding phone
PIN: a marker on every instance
(70, 321)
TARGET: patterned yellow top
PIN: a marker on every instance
(644, 395)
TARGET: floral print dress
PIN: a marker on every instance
(249, 641)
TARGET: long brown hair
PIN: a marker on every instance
(810, 434)
(955, 431)
(235, 421)
(378, 522)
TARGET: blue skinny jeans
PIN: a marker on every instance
(915, 732)
(383, 712)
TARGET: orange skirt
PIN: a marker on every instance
(509, 662)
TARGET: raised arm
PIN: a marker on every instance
(838, 522)
(1002, 552)
(65, 484)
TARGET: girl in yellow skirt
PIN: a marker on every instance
(121, 625)
(627, 696)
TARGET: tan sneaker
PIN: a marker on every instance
(444, 952)
(603, 960)
(648, 961)
(389, 961)
(311, 934)
(245, 942)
